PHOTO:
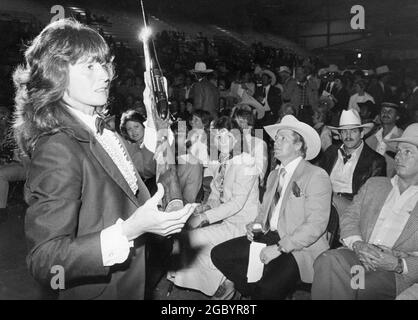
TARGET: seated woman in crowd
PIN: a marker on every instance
(198, 142)
(133, 130)
(360, 96)
(232, 203)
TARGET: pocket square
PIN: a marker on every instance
(296, 190)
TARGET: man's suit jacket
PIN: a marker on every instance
(369, 164)
(74, 191)
(205, 97)
(361, 216)
(294, 94)
(304, 219)
(391, 148)
(412, 106)
(380, 95)
(274, 100)
(342, 97)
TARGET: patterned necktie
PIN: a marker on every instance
(276, 196)
(104, 121)
(219, 180)
(346, 156)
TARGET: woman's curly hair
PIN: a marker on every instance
(40, 83)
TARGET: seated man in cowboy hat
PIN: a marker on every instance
(389, 115)
(380, 233)
(269, 96)
(352, 163)
(293, 216)
(204, 94)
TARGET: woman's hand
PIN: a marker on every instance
(197, 221)
(148, 218)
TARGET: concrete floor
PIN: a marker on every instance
(17, 284)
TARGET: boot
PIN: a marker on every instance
(3, 215)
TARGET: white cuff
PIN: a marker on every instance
(115, 246)
(349, 241)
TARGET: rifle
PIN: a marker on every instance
(158, 112)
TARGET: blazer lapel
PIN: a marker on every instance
(410, 227)
(296, 175)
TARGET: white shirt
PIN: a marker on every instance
(392, 218)
(381, 144)
(290, 169)
(114, 245)
(342, 174)
(356, 98)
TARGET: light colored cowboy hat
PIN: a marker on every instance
(322, 71)
(410, 135)
(200, 67)
(389, 105)
(271, 75)
(350, 119)
(309, 134)
(285, 69)
(333, 68)
(382, 70)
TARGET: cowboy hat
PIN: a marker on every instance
(200, 67)
(333, 68)
(350, 119)
(410, 135)
(389, 105)
(382, 70)
(309, 134)
(271, 75)
(285, 69)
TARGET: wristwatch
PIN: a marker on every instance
(399, 267)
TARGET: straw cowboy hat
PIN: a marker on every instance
(271, 75)
(410, 135)
(309, 134)
(200, 67)
(285, 69)
(382, 70)
(333, 68)
(350, 119)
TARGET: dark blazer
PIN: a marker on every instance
(369, 164)
(74, 191)
(274, 100)
(342, 98)
(205, 96)
(380, 95)
(412, 105)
